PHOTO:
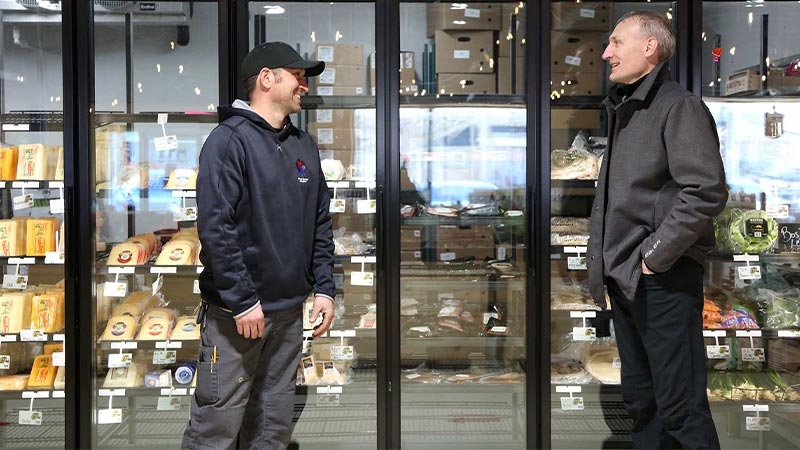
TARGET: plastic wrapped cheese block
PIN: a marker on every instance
(61, 378)
(12, 236)
(40, 236)
(14, 382)
(32, 162)
(153, 329)
(161, 313)
(119, 328)
(182, 179)
(186, 328)
(15, 312)
(43, 372)
(47, 312)
(333, 169)
(177, 253)
(8, 162)
(126, 254)
(125, 377)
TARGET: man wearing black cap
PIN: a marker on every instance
(265, 229)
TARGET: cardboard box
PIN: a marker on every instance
(577, 83)
(340, 54)
(475, 16)
(465, 83)
(339, 90)
(743, 82)
(332, 138)
(464, 52)
(577, 51)
(581, 16)
(783, 84)
(410, 236)
(457, 232)
(575, 119)
(411, 257)
(341, 76)
(408, 74)
(504, 75)
(334, 118)
(506, 33)
(480, 248)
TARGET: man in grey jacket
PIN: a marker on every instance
(661, 183)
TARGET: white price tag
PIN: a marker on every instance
(15, 281)
(753, 354)
(327, 400)
(59, 359)
(169, 404)
(616, 363)
(342, 353)
(111, 289)
(362, 278)
(718, 351)
(57, 206)
(338, 205)
(32, 335)
(749, 272)
(30, 417)
(576, 262)
(116, 360)
(187, 214)
(572, 403)
(164, 356)
(460, 54)
(366, 206)
(166, 142)
(162, 118)
(447, 256)
(54, 258)
(472, 12)
(196, 287)
(572, 60)
(778, 211)
(584, 334)
(587, 13)
(789, 333)
(757, 423)
(106, 416)
(5, 362)
(23, 202)
(158, 284)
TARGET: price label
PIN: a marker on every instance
(338, 205)
(718, 351)
(366, 206)
(164, 356)
(572, 60)
(23, 202)
(186, 214)
(327, 400)
(472, 12)
(59, 359)
(5, 362)
(584, 334)
(576, 262)
(116, 360)
(54, 258)
(753, 354)
(57, 206)
(15, 281)
(749, 272)
(30, 417)
(757, 423)
(778, 211)
(196, 287)
(166, 143)
(168, 404)
(111, 289)
(106, 416)
(572, 403)
(587, 13)
(32, 335)
(362, 278)
(342, 352)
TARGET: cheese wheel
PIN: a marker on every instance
(186, 328)
(156, 328)
(119, 328)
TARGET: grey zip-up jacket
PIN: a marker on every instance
(263, 215)
(661, 183)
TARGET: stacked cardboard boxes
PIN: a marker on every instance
(464, 38)
(408, 74)
(579, 33)
(344, 70)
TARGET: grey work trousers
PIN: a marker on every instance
(246, 400)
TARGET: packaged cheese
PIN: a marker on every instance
(8, 162)
(126, 254)
(125, 377)
(41, 236)
(47, 313)
(119, 328)
(14, 382)
(182, 179)
(61, 378)
(177, 253)
(43, 373)
(186, 328)
(154, 329)
(15, 312)
(12, 236)
(32, 162)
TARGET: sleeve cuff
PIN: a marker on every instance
(324, 296)
(248, 310)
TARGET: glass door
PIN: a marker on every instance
(750, 82)
(463, 302)
(156, 95)
(32, 303)
(336, 400)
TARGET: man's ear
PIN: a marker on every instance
(651, 47)
(266, 77)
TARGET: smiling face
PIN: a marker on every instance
(287, 87)
(630, 53)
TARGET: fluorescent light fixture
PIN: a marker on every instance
(274, 9)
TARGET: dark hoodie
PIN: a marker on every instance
(263, 215)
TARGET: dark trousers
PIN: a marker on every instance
(660, 340)
(247, 400)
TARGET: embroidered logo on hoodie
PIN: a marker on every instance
(301, 171)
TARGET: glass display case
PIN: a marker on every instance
(32, 299)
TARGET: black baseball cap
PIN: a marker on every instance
(278, 55)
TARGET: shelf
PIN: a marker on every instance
(32, 393)
(578, 102)
(463, 220)
(575, 187)
(445, 100)
(31, 184)
(103, 269)
(27, 121)
(55, 259)
(337, 101)
(25, 337)
(146, 345)
(105, 118)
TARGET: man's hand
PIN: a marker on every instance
(322, 305)
(251, 325)
(646, 270)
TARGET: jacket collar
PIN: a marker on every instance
(242, 108)
(651, 81)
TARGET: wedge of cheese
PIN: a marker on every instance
(182, 179)
(119, 328)
(154, 329)
(186, 329)
(126, 254)
(177, 253)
